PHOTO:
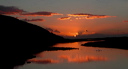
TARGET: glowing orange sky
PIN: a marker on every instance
(72, 17)
(80, 25)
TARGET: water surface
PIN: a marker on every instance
(82, 58)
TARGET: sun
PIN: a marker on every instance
(75, 34)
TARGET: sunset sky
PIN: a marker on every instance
(72, 18)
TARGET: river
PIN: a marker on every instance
(82, 58)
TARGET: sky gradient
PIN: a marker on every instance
(72, 18)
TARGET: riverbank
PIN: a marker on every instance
(110, 42)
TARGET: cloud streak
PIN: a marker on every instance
(98, 16)
(52, 30)
(125, 21)
(9, 10)
(64, 18)
(12, 10)
(42, 13)
(33, 20)
(88, 16)
(86, 32)
(79, 14)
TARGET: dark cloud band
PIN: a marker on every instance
(42, 13)
(10, 10)
(33, 20)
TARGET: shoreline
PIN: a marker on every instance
(113, 42)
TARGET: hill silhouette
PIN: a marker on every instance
(12, 27)
(19, 40)
(109, 42)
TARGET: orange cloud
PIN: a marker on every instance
(42, 61)
(43, 13)
(88, 16)
(86, 32)
(64, 18)
(71, 34)
(33, 20)
(9, 10)
(125, 21)
(52, 30)
(21, 17)
(79, 14)
(80, 59)
(98, 16)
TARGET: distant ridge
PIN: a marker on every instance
(12, 28)
(19, 40)
(109, 42)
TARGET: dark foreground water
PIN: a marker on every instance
(82, 58)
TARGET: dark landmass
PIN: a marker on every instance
(59, 48)
(110, 42)
(19, 40)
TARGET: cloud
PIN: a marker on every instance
(125, 21)
(42, 13)
(10, 10)
(49, 29)
(80, 59)
(79, 14)
(85, 32)
(52, 30)
(98, 16)
(56, 31)
(88, 16)
(42, 61)
(64, 18)
(33, 20)
(21, 17)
